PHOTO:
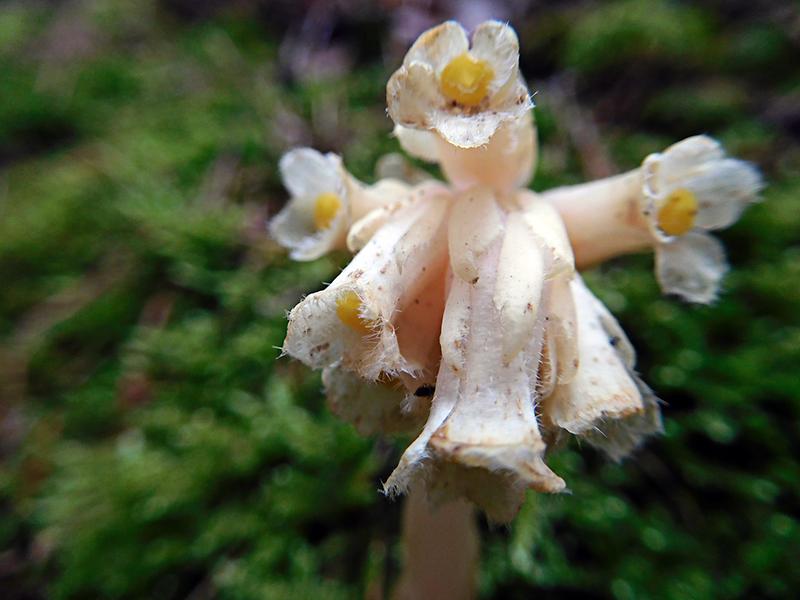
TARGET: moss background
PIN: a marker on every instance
(151, 445)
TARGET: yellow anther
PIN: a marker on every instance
(348, 308)
(466, 80)
(325, 208)
(676, 216)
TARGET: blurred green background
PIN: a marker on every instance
(152, 445)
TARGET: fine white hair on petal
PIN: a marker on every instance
(691, 267)
(562, 329)
(418, 143)
(602, 388)
(619, 437)
(474, 225)
(437, 46)
(518, 285)
(317, 336)
(391, 198)
(483, 418)
(548, 226)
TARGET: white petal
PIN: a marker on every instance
(518, 288)
(306, 172)
(467, 130)
(723, 189)
(505, 163)
(548, 226)
(293, 228)
(418, 143)
(413, 97)
(602, 388)
(497, 44)
(437, 46)
(684, 156)
(474, 225)
(691, 266)
(371, 407)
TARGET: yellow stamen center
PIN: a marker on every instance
(348, 308)
(466, 80)
(325, 208)
(677, 214)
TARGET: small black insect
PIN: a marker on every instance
(425, 390)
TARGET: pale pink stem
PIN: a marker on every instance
(441, 550)
(603, 218)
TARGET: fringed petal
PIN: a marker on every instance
(602, 388)
(371, 407)
(691, 267)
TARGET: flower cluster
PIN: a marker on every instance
(462, 317)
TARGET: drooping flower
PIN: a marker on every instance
(689, 189)
(604, 402)
(379, 317)
(462, 92)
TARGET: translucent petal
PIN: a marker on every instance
(497, 44)
(306, 172)
(691, 267)
(437, 46)
(723, 190)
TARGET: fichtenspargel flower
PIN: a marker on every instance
(462, 309)
(325, 202)
(462, 93)
(689, 189)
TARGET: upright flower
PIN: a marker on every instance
(460, 92)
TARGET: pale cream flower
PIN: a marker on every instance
(380, 316)
(482, 438)
(325, 201)
(603, 401)
(462, 93)
(689, 189)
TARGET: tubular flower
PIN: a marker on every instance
(689, 189)
(461, 318)
(462, 93)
